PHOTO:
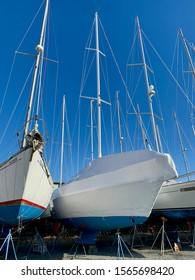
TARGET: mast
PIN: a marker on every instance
(62, 140)
(181, 144)
(98, 88)
(191, 65)
(149, 88)
(91, 127)
(159, 139)
(187, 52)
(98, 95)
(119, 123)
(144, 137)
(39, 49)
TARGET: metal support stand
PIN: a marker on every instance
(163, 236)
(133, 234)
(77, 243)
(55, 241)
(120, 244)
(87, 237)
(6, 243)
(193, 236)
(38, 246)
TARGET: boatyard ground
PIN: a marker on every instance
(134, 243)
(104, 253)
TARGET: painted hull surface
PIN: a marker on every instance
(25, 187)
(176, 200)
(113, 192)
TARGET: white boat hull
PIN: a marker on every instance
(114, 191)
(25, 188)
(176, 200)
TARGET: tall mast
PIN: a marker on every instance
(98, 88)
(62, 140)
(150, 89)
(181, 144)
(159, 139)
(187, 52)
(190, 63)
(119, 123)
(91, 127)
(39, 49)
(145, 140)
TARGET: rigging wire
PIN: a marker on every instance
(7, 125)
(7, 85)
(173, 77)
(121, 76)
(30, 26)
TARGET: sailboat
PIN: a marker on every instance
(176, 199)
(25, 181)
(114, 191)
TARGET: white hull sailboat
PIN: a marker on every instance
(25, 187)
(176, 201)
(25, 182)
(115, 191)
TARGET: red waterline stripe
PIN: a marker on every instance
(21, 201)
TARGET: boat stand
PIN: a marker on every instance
(55, 241)
(86, 238)
(133, 234)
(193, 236)
(76, 244)
(120, 244)
(38, 246)
(164, 237)
(192, 243)
(6, 243)
(191, 239)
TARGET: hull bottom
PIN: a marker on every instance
(17, 211)
(176, 214)
(103, 223)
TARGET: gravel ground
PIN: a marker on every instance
(67, 251)
(106, 249)
(187, 253)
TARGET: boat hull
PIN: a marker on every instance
(113, 192)
(25, 188)
(176, 201)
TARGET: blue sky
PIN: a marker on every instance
(70, 23)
